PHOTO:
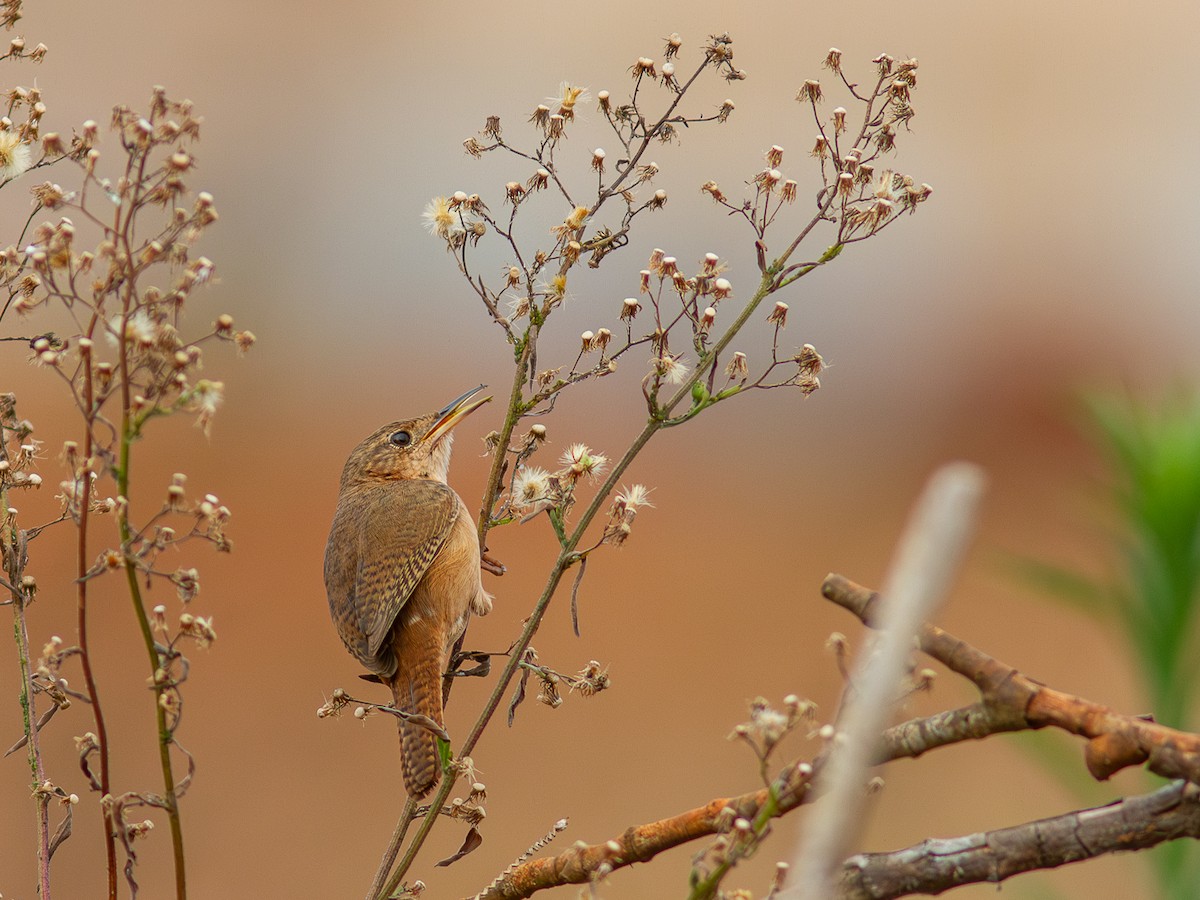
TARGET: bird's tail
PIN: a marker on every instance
(417, 689)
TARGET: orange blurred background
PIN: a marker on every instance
(1057, 254)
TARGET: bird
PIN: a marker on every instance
(402, 572)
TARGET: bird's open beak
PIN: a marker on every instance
(455, 413)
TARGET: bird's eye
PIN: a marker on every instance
(401, 438)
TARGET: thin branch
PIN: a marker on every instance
(937, 865)
(1014, 702)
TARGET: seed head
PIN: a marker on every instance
(643, 66)
(737, 367)
(531, 486)
(439, 219)
(810, 92)
(710, 188)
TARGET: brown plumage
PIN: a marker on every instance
(402, 570)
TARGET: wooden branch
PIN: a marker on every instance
(640, 843)
(937, 865)
(1011, 701)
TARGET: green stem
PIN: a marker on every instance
(706, 888)
(566, 556)
(13, 553)
(165, 738)
(32, 739)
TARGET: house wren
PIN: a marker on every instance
(402, 570)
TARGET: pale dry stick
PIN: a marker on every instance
(920, 576)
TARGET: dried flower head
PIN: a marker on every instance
(810, 92)
(580, 459)
(15, 155)
(439, 218)
(531, 488)
(569, 95)
(736, 367)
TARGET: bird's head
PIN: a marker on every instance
(411, 448)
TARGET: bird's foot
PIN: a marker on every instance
(488, 564)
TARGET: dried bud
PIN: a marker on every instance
(774, 157)
(725, 110)
(603, 102)
(722, 288)
(598, 160)
(643, 66)
(514, 192)
(788, 191)
(778, 315)
(244, 340)
(833, 60)
(737, 367)
(629, 309)
(674, 42)
(809, 360)
(767, 179)
(710, 188)
(839, 120)
(821, 148)
(810, 92)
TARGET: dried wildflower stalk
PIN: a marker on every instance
(127, 364)
(675, 313)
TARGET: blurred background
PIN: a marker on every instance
(1057, 256)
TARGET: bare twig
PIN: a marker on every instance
(937, 865)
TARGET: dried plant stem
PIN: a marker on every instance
(83, 561)
(13, 541)
(568, 555)
(393, 848)
(33, 743)
(165, 738)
